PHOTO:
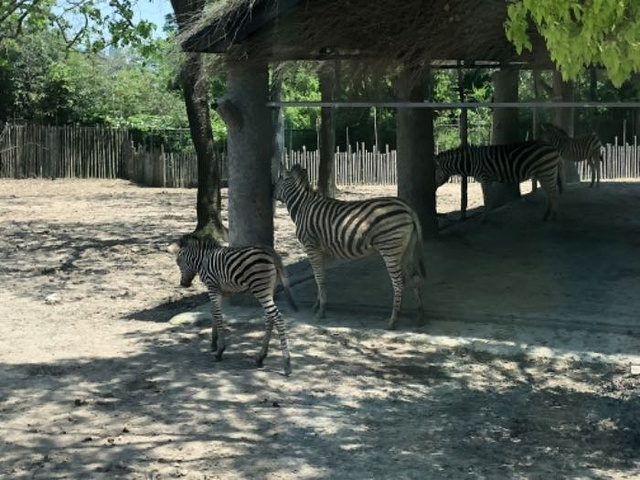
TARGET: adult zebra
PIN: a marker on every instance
(333, 228)
(587, 147)
(509, 163)
(227, 270)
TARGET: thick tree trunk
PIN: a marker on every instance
(196, 98)
(250, 151)
(326, 169)
(416, 169)
(505, 129)
(564, 118)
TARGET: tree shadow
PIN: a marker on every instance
(355, 405)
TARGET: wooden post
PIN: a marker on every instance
(415, 166)
(250, 146)
(464, 141)
(327, 144)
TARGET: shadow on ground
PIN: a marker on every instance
(361, 403)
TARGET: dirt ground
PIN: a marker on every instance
(95, 383)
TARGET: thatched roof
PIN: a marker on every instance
(412, 32)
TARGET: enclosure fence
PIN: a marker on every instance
(32, 151)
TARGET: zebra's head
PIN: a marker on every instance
(295, 179)
(187, 259)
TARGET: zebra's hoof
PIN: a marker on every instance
(218, 354)
(321, 314)
(287, 367)
(392, 325)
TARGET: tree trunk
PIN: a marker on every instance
(564, 118)
(250, 151)
(326, 169)
(196, 98)
(416, 169)
(505, 129)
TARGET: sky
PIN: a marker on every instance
(153, 11)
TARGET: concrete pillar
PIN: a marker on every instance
(416, 170)
(505, 128)
(251, 139)
(564, 118)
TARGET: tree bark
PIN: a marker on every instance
(251, 140)
(326, 169)
(196, 98)
(564, 118)
(505, 129)
(416, 168)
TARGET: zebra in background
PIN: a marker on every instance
(226, 270)
(587, 147)
(511, 163)
(332, 228)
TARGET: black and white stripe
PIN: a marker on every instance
(510, 163)
(227, 270)
(587, 147)
(332, 228)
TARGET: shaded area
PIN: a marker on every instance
(95, 384)
(357, 405)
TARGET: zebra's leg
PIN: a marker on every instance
(417, 290)
(550, 187)
(218, 344)
(265, 341)
(317, 265)
(488, 200)
(394, 268)
(592, 167)
(596, 162)
(274, 318)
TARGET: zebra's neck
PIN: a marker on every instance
(296, 199)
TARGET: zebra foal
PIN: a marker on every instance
(509, 163)
(332, 228)
(227, 270)
(587, 147)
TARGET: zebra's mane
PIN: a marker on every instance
(299, 174)
(553, 128)
(192, 241)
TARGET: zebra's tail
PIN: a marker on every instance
(282, 275)
(415, 249)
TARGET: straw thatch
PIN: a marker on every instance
(410, 32)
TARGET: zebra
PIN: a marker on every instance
(587, 147)
(332, 228)
(226, 270)
(505, 163)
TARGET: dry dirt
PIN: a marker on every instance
(96, 384)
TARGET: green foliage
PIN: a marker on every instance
(579, 34)
(79, 23)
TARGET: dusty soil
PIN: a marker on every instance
(95, 383)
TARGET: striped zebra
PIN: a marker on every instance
(226, 270)
(587, 147)
(507, 164)
(350, 230)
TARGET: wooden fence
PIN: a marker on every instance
(61, 152)
(98, 152)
